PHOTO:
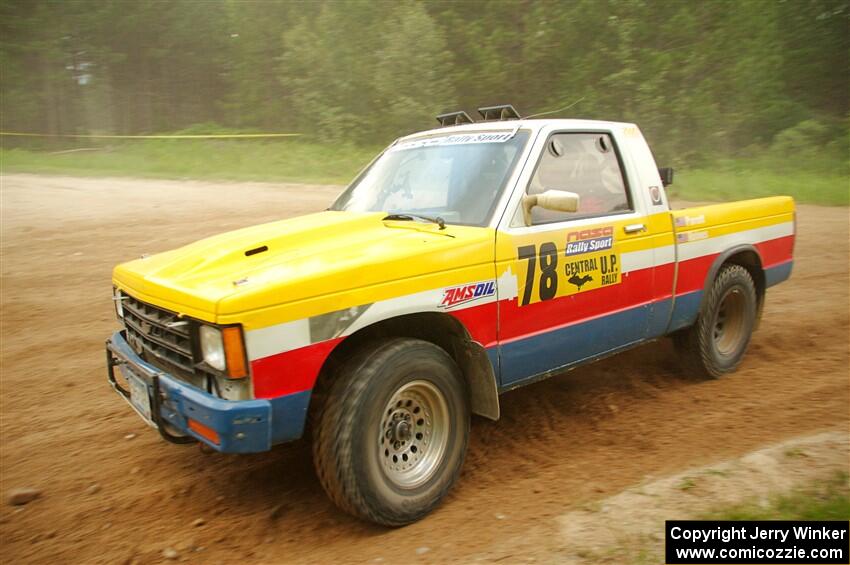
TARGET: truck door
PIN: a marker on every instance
(572, 286)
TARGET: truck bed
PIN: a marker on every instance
(760, 231)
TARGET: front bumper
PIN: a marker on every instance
(243, 426)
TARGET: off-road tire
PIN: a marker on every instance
(717, 341)
(348, 449)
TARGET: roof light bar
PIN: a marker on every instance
(498, 113)
(454, 119)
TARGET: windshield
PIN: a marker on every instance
(455, 177)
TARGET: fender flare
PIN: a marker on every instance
(720, 260)
(471, 357)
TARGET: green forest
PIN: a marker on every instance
(709, 83)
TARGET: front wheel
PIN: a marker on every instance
(716, 343)
(391, 437)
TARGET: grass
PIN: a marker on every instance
(747, 181)
(687, 483)
(795, 452)
(824, 500)
(296, 160)
(827, 500)
(246, 160)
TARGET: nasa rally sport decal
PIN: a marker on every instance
(463, 294)
(585, 241)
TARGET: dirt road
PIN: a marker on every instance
(113, 492)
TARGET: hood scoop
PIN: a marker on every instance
(256, 250)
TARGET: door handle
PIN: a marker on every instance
(634, 228)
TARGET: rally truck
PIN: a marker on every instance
(463, 262)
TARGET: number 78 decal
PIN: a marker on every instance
(590, 271)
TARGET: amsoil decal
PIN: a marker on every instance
(467, 293)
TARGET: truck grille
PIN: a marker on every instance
(158, 335)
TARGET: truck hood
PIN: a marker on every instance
(295, 259)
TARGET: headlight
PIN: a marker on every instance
(117, 297)
(212, 347)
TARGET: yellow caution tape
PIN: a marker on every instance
(175, 136)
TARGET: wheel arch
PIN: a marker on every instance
(748, 257)
(444, 331)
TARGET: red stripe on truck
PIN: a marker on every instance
(775, 251)
(291, 371)
(634, 289)
(693, 272)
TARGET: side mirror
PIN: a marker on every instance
(558, 200)
(666, 174)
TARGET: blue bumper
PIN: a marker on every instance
(244, 426)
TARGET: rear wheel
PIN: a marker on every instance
(391, 436)
(716, 343)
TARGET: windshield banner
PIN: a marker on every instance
(461, 139)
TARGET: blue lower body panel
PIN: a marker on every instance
(243, 426)
(685, 310)
(778, 273)
(289, 415)
(523, 360)
(563, 347)
(686, 306)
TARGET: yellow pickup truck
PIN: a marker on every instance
(463, 262)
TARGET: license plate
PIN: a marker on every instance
(139, 398)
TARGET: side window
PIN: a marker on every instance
(584, 163)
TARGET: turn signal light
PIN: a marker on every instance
(234, 352)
